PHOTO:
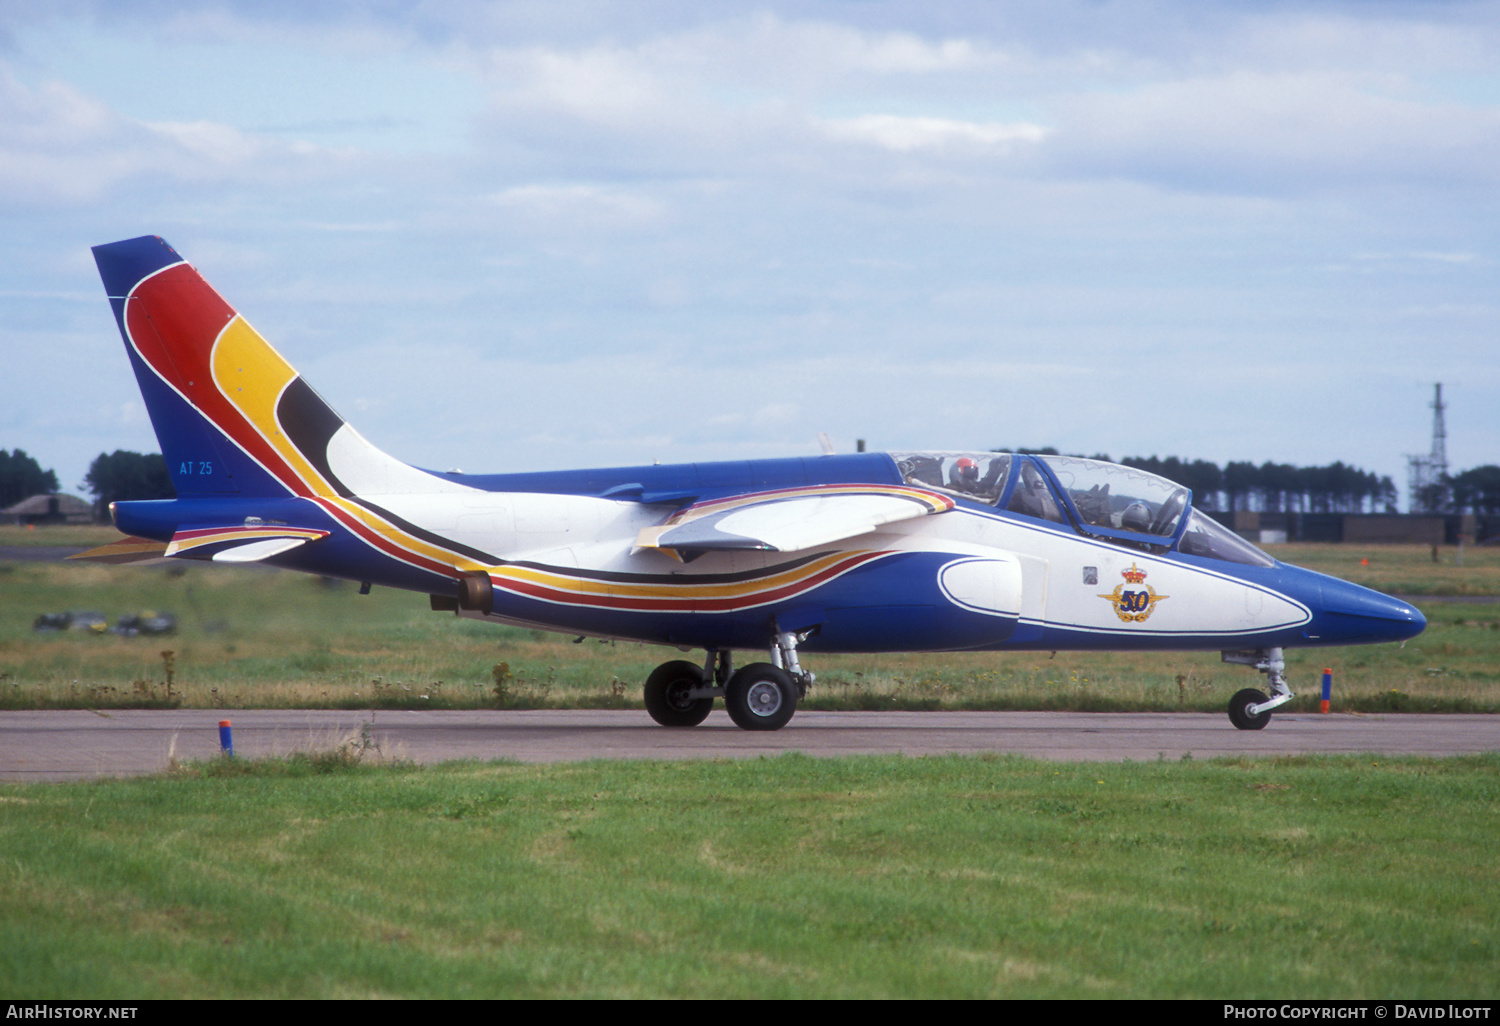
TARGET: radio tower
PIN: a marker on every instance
(1427, 483)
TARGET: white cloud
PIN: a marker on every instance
(579, 205)
(602, 85)
(58, 146)
(905, 134)
(789, 53)
(214, 144)
(1273, 133)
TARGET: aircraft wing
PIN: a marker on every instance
(790, 519)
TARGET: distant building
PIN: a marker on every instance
(53, 508)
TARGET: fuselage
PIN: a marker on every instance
(1030, 555)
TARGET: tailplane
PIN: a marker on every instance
(232, 416)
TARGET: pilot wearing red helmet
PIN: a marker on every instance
(965, 475)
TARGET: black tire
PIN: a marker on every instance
(760, 697)
(1239, 710)
(667, 695)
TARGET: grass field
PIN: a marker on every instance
(323, 876)
(57, 534)
(249, 637)
(1402, 569)
(857, 877)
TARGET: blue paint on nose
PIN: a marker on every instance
(1347, 614)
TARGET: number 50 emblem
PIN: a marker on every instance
(1134, 600)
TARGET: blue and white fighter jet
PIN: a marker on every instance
(868, 552)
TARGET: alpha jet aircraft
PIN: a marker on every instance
(869, 552)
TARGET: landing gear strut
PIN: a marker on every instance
(760, 696)
(763, 696)
(1250, 709)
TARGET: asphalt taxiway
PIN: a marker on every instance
(80, 744)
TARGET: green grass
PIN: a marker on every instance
(249, 637)
(1402, 569)
(789, 877)
(88, 535)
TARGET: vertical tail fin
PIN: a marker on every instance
(232, 416)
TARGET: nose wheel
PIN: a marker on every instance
(1240, 707)
(1251, 709)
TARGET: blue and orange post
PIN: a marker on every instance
(1327, 686)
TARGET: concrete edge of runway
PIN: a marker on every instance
(83, 744)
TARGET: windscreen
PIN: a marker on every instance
(1119, 498)
(1207, 537)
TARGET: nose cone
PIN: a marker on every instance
(1347, 614)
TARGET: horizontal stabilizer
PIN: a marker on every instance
(254, 552)
(126, 550)
(790, 519)
(240, 544)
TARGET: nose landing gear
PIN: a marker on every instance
(1250, 709)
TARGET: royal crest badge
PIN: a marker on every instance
(1134, 600)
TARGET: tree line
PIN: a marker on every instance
(1267, 488)
(21, 477)
(1276, 487)
(1335, 488)
(1476, 490)
(119, 475)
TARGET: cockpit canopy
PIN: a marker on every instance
(980, 476)
(1108, 501)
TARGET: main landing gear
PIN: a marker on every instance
(760, 696)
(1251, 709)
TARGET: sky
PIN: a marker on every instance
(522, 236)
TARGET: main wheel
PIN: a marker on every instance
(667, 697)
(1239, 710)
(760, 697)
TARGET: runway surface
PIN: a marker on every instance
(79, 744)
